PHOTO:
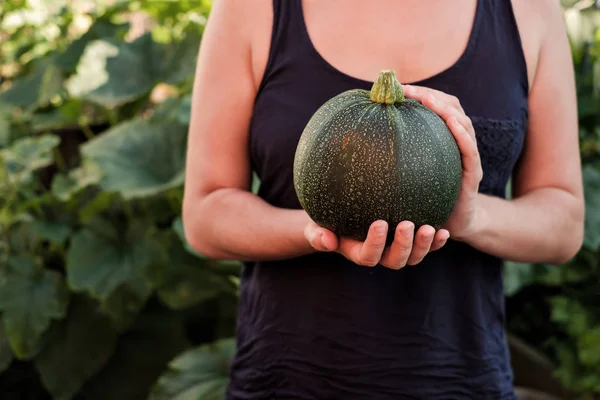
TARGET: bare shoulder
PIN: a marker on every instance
(232, 18)
(539, 22)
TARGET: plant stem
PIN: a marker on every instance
(387, 89)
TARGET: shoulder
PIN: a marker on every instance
(230, 30)
(229, 19)
(254, 33)
(540, 22)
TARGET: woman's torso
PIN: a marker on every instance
(319, 327)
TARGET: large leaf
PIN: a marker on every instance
(101, 28)
(27, 236)
(35, 90)
(180, 59)
(30, 298)
(5, 129)
(6, 353)
(27, 155)
(64, 186)
(571, 314)
(103, 259)
(77, 348)
(113, 73)
(201, 373)
(185, 109)
(140, 158)
(591, 178)
(179, 230)
(185, 280)
(142, 352)
(589, 347)
(519, 275)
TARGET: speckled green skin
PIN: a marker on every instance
(358, 161)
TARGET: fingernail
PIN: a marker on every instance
(380, 229)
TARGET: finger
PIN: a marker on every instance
(369, 252)
(421, 245)
(320, 239)
(396, 255)
(329, 240)
(446, 107)
(439, 240)
(420, 93)
(444, 110)
(468, 150)
(466, 122)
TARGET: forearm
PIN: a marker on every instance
(544, 226)
(235, 224)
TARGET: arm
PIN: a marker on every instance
(544, 221)
(222, 218)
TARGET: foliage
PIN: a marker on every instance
(557, 308)
(100, 295)
(98, 288)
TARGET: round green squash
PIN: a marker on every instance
(369, 155)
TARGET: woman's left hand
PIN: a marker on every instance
(462, 219)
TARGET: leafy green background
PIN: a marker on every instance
(100, 295)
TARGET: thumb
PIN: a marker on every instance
(320, 239)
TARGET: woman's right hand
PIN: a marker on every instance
(407, 248)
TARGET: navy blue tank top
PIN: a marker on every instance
(319, 327)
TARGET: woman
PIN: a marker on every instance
(316, 319)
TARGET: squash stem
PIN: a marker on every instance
(387, 89)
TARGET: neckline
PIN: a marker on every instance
(473, 36)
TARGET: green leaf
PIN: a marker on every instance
(35, 90)
(255, 186)
(27, 155)
(180, 59)
(571, 314)
(26, 236)
(140, 158)
(5, 130)
(101, 202)
(6, 354)
(123, 306)
(77, 348)
(589, 348)
(30, 298)
(591, 179)
(517, 276)
(142, 353)
(64, 116)
(113, 73)
(64, 186)
(199, 373)
(102, 258)
(185, 280)
(55, 232)
(185, 109)
(178, 228)
(101, 28)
